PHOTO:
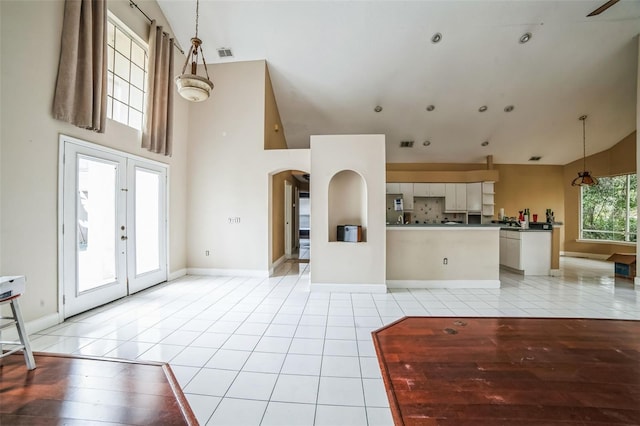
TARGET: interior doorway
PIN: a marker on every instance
(304, 228)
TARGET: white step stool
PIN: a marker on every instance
(11, 288)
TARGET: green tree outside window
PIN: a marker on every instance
(609, 209)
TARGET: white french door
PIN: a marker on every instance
(113, 225)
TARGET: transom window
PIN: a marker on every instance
(609, 210)
(126, 74)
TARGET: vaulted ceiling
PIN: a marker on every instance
(333, 62)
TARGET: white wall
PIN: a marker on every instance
(30, 46)
(340, 266)
(229, 174)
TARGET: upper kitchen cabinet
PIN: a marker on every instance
(406, 189)
(455, 199)
(474, 197)
(428, 190)
(393, 188)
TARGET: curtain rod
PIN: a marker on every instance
(132, 5)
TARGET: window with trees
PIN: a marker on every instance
(609, 210)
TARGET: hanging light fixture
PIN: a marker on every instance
(584, 177)
(191, 86)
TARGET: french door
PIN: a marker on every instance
(113, 225)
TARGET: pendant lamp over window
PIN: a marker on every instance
(191, 86)
(584, 177)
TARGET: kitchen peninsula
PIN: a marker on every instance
(443, 256)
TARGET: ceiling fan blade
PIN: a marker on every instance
(602, 8)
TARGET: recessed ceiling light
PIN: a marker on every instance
(525, 38)
(426, 143)
(378, 108)
(436, 38)
(483, 108)
(508, 108)
(431, 107)
(535, 158)
(485, 143)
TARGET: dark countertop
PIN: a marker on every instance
(444, 225)
(516, 229)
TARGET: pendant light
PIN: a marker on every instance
(191, 86)
(584, 177)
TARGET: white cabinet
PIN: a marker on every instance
(474, 197)
(487, 198)
(393, 188)
(428, 190)
(455, 197)
(420, 189)
(406, 189)
(528, 251)
(436, 190)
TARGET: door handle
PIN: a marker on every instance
(124, 237)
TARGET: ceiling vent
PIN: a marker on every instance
(406, 144)
(223, 52)
(535, 158)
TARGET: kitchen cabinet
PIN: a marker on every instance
(487, 199)
(455, 198)
(528, 252)
(474, 197)
(428, 190)
(436, 190)
(420, 189)
(406, 189)
(393, 188)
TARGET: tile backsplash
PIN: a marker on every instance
(431, 210)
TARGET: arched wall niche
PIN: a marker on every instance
(347, 202)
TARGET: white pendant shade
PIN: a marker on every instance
(193, 88)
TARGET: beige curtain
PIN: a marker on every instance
(157, 129)
(81, 89)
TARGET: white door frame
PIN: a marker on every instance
(63, 140)
(288, 204)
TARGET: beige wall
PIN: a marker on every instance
(30, 37)
(619, 159)
(230, 173)
(340, 266)
(273, 130)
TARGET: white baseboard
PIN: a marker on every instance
(255, 273)
(443, 283)
(585, 255)
(636, 282)
(347, 288)
(277, 263)
(33, 326)
(177, 274)
(555, 272)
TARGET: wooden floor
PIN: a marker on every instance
(80, 391)
(511, 371)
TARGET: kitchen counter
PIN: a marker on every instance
(443, 256)
(516, 229)
(415, 226)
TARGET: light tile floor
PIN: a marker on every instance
(266, 351)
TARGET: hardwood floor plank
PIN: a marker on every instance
(542, 371)
(77, 390)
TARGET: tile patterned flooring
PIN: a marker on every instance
(250, 351)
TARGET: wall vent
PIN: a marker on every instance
(223, 52)
(406, 144)
(535, 158)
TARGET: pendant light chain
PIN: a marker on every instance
(584, 145)
(197, 15)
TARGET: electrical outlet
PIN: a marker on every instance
(206, 252)
(233, 220)
(445, 261)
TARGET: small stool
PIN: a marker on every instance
(11, 297)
